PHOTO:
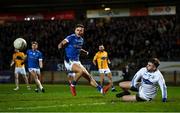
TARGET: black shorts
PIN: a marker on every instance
(135, 88)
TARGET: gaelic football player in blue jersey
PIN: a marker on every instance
(73, 46)
(35, 63)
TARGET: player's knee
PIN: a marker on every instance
(16, 77)
(122, 84)
(35, 77)
(127, 98)
(110, 79)
(80, 72)
(124, 98)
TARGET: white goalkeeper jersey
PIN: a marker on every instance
(149, 83)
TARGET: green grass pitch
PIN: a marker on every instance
(57, 98)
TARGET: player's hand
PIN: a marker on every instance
(164, 99)
(11, 65)
(59, 48)
(94, 63)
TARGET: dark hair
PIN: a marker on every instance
(79, 25)
(155, 61)
(34, 42)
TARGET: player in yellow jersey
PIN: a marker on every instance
(101, 60)
(18, 60)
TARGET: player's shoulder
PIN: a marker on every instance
(18, 53)
(98, 53)
(158, 72)
(21, 53)
(39, 52)
(143, 69)
(29, 50)
(105, 52)
(71, 35)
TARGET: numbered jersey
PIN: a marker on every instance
(102, 59)
(18, 58)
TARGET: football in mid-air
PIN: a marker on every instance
(20, 44)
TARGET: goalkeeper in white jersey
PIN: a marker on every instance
(150, 78)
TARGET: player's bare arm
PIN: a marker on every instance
(109, 62)
(40, 64)
(84, 51)
(94, 60)
(12, 63)
(62, 44)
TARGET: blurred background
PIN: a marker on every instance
(132, 31)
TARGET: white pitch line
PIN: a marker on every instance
(63, 105)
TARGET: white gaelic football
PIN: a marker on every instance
(20, 43)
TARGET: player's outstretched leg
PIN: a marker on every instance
(93, 83)
(125, 86)
(81, 71)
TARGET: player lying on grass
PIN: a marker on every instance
(150, 76)
(73, 46)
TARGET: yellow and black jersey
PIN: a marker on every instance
(102, 59)
(18, 58)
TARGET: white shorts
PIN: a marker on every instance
(36, 70)
(20, 70)
(69, 65)
(104, 71)
(142, 95)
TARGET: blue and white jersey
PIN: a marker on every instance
(33, 58)
(73, 47)
(149, 82)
